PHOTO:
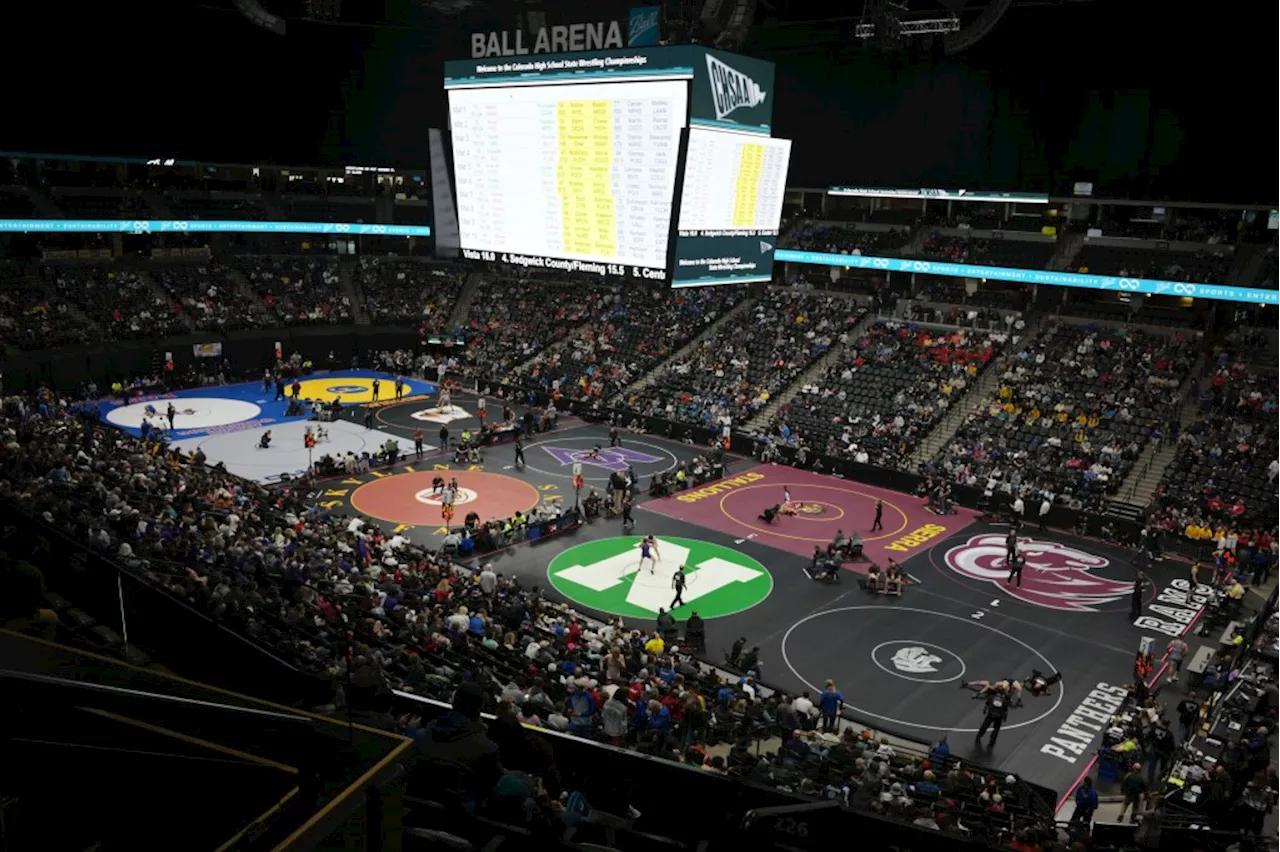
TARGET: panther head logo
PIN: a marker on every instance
(1054, 575)
(812, 509)
(916, 660)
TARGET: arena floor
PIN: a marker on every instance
(900, 661)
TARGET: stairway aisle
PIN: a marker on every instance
(145, 277)
(1136, 492)
(814, 371)
(348, 281)
(974, 399)
(462, 308)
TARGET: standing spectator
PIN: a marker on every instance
(1133, 786)
(1188, 716)
(831, 704)
(1135, 599)
(940, 753)
(1160, 747)
(456, 756)
(1086, 803)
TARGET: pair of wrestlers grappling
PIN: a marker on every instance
(1038, 685)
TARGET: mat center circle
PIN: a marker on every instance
(818, 510)
(434, 498)
(922, 662)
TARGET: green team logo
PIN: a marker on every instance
(607, 576)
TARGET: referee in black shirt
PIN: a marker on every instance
(678, 581)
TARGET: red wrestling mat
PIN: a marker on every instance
(407, 498)
(733, 505)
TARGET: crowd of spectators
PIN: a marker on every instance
(365, 611)
(1225, 471)
(834, 238)
(33, 317)
(208, 297)
(121, 301)
(401, 291)
(511, 320)
(736, 371)
(890, 386)
(638, 328)
(1073, 411)
(300, 291)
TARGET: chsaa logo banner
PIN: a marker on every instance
(606, 576)
(731, 91)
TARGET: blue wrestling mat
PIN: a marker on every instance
(219, 410)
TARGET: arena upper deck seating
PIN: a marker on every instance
(885, 392)
(1209, 264)
(1020, 254)
(835, 238)
(1073, 412)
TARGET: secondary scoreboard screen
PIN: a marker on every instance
(569, 175)
(730, 207)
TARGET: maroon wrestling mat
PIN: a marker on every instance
(733, 506)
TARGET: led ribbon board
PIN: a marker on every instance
(1047, 277)
(205, 226)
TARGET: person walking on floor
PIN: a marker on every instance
(444, 438)
(417, 444)
(878, 523)
(830, 704)
(519, 453)
(1135, 599)
(377, 385)
(368, 418)
(678, 581)
(1176, 651)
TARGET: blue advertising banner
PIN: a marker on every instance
(205, 226)
(642, 26)
(1047, 277)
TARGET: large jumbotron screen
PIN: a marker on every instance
(582, 172)
(570, 161)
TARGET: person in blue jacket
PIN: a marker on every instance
(1086, 802)
(940, 753)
